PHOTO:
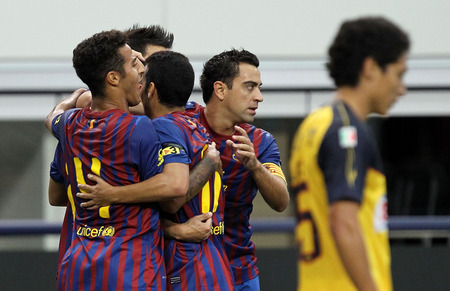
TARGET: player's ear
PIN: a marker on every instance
(113, 78)
(220, 89)
(152, 91)
(370, 68)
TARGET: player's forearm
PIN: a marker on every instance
(171, 229)
(198, 177)
(273, 188)
(172, 183)
(352, 251)
(57, 194)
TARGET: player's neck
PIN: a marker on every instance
(356, 100)
(161, 110)
(101, 104)
(218, 121)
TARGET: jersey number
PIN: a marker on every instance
(206, 190)
(309, 242)
(95, 168)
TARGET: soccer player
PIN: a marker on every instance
(250, 157)
(146, 40)
(118, 247)
(335, 167)
(190, 265)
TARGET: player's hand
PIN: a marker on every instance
(98, 195)
(243, 149)
(213, 157)
(197, 228)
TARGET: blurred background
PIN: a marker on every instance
(291, 39)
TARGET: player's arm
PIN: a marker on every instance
(198, 177)
(196, 229)
(273, 188)
(62, 106)
(157, 188)
(172, 183)
(57, 193)
(348, 237)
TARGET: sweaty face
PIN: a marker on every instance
(242, 99)
(131, 82)
(390, 86)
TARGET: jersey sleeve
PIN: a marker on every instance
(146, 148)
(342, 168)
(173, 141)
(270, 155)
(57, 165)
(59, 121)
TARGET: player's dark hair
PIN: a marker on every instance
(139, 37)
(173, 76)
(224, 67)
(358, 39)
(97, 55)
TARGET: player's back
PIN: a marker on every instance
(204, 265)
(112, 247)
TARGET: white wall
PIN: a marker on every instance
(284, 28)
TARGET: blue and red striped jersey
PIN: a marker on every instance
(194, 266)
(119, 247)
(240, 190)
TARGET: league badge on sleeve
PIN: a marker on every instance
(348, 137)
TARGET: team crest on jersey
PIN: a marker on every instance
(348, 137)
(234, 157)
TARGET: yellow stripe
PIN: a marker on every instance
(275, 170)
(96, 165)
(206, 199)
(217, 189)
(70, 195)
(95, 168)
(72, 203)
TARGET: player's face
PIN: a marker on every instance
(390, 86)
(243, 98)
(134, 72)
(151, 49)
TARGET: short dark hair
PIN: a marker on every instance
(139, 37)
(358, 39)
(224, 67)
(97, 55)
(173, 76)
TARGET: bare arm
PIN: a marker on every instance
(57, 193)
(63, 105)
(196, 229)
(272, 188)
(156, 188)
(347, 234)
(172, 183)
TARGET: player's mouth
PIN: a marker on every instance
(253, 110)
